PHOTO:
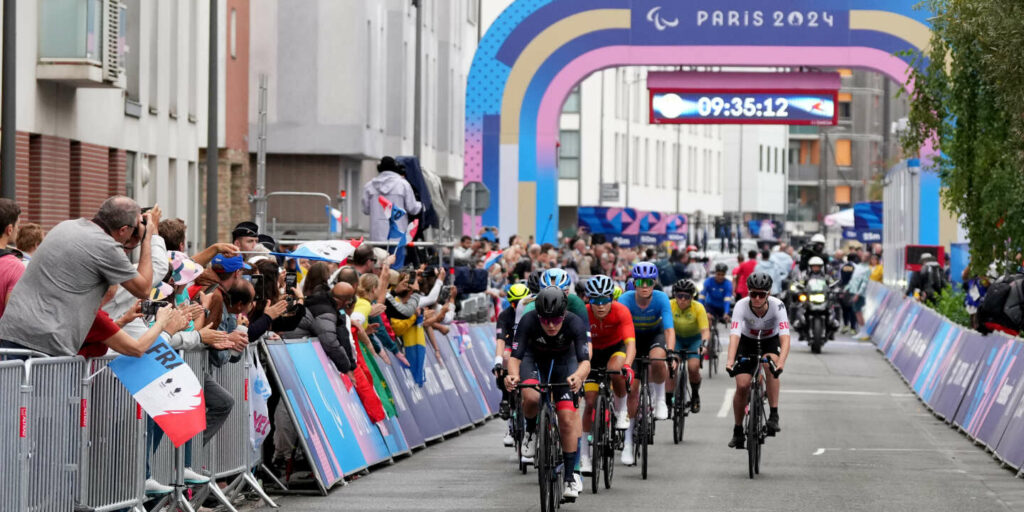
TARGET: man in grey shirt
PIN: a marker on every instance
(55, 302)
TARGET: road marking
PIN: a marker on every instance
(819, 452)
(726, 403)
(841, 392)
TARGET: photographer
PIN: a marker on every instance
(322, 320)
(271, 312)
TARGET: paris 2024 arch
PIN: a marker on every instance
(538, 50)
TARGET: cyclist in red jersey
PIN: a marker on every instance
(614, 347)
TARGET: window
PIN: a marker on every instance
(843, 194)
(845, 101)
(760, 157)
(572, 102)
(70, 29)
(154, 55)
(172, 60)
(190, 59)
(129, 174)
(635, 165)
(843, 154)
(472, 12)
(132, 20)
(776, 159)
(794, 155)
(647, 162)
(569, 155)
(233, 34)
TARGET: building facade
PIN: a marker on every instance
(342, 94)
(755, 174)
(607, 144)
(836, 166)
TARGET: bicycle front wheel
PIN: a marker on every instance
(752, 428)
(597, 442)
(679, 412)
(542, 460)
(646, 428)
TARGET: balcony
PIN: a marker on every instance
(81, 43)
(803, 172)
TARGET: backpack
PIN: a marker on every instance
(934, 281)
(1013, 309)
(992, 307)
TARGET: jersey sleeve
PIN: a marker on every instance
(580, 339)
(505, 327)
(702, 316)
(666, 312)
(736, 328)
(782, 318)
(626, 331)
(526, 325)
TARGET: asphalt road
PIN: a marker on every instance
(854, 439)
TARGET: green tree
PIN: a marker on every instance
(968, 102)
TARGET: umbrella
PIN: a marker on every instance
(842, 218)
(333, 250)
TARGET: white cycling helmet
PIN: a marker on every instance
(818, 239)
(816, 261)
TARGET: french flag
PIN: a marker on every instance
(492, 258)
(335, 217)
(166, 388)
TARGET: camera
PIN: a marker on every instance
(257, 281)
(293, 305)
(150, 307)
(291, 278)
(445, 294)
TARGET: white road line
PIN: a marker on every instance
(726, 403)
(832, 392)
(819, 452)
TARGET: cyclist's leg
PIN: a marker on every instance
(598, 360)
(569, 424)
(529, 374)
(739, 400)
(659, 374)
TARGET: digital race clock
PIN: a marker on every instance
(739, 107)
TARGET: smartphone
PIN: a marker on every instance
(150, 307)
(291, 278)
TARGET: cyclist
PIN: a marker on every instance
(505, 330)
(655, 334)
(559, 278)
(611, 331)
(692, 335)
(551, 345)
(717, 294)
(757, 318)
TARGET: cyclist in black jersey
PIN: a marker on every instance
(504, 331)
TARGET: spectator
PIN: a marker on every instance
(464, 252)
(75, 265)
(855, 290)
(877, 270)
(768, 267)
(391, 185)
(744, 270)
(364, 260)
(30, 235)
(216, 281)
(245, 236)
(926, 284)
(11, 267)
(272, 312)
(173, 231)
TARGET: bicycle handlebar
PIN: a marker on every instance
(771, 366)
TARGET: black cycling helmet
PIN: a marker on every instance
(551, 302)
(684, 286)
(721, 267)
(533, 282)
(759, 281)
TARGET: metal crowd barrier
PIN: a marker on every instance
(476, 308)
(114, 442)
(11, 375)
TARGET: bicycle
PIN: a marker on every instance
(680, 398)
(714, 347)
(517, 421)
(755, 425)
(603, 434)
(643, 427)
(548, 458)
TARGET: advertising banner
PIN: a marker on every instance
(908, 356)
(410, 427)
(901, 326)
(990, 347)
(967, 355)
(478, 409)
(990, 396)
(937, 363)
(1011, 444)
(420, 402)
(316, 444)
(471, 398)
(441, 392)
(887, 319)
(480, 350)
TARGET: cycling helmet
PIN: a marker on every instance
(721, 267)
(759, 281)
(517, 291)
(818, 239)
(600, 286)
(816, 261)
(555, 277)
(617, 292)
(684, 286)
(645, 270)
(551, 302)
(533, 282)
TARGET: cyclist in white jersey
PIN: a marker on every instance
(758, 319)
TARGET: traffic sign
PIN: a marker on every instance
(475, 198)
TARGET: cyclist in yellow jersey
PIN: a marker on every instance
(692, 335)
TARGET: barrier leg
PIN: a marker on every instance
(246, 478)
(273, 477)
(217, 493)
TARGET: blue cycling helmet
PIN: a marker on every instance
(555, 277)
(645, 270)
(599, 286)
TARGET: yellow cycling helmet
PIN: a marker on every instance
(616, 292)
(517, 291)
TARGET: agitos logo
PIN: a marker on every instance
(660, 23)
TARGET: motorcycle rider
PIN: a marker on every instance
(815, 270)
(815, 248)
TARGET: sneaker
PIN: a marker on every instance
(660, 411)
(529, 448)
(627, 455)
(577, 483)
(737, 440)
(773, 424)
(193, 478)
(154, 488)
(862, 336)
(569, 491)
(695, 404)
(504, 411)
(586, 467)
(622, 421)
(508, 440)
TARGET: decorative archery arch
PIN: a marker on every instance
(538, 50)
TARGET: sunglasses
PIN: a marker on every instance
(758, 295)
(551, 322)
(601, 301)
(643, 283)
(684, 296)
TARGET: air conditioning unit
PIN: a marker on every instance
(92, 61)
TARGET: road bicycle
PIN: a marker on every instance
(755, 423)
(643, 424)
(548, 456)
(604, 437)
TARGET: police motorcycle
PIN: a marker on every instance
(816, 304)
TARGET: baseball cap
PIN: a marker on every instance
(229, 264)
(267, 241)
(245, 229)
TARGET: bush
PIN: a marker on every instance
(950, 304)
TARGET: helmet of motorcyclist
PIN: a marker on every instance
(555, 277)
(815, 262)
(818, 239)
(759, 281)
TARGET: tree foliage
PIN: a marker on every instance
(967, 101)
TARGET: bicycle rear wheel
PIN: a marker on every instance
(752, 427)
(713, 352)
(646, 428)
(608, 454)
(519, 430)
(680, 398)
(597, 442)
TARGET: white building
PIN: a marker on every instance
(606, 141)
(756, 174)
(107, 99)
(342, 80)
